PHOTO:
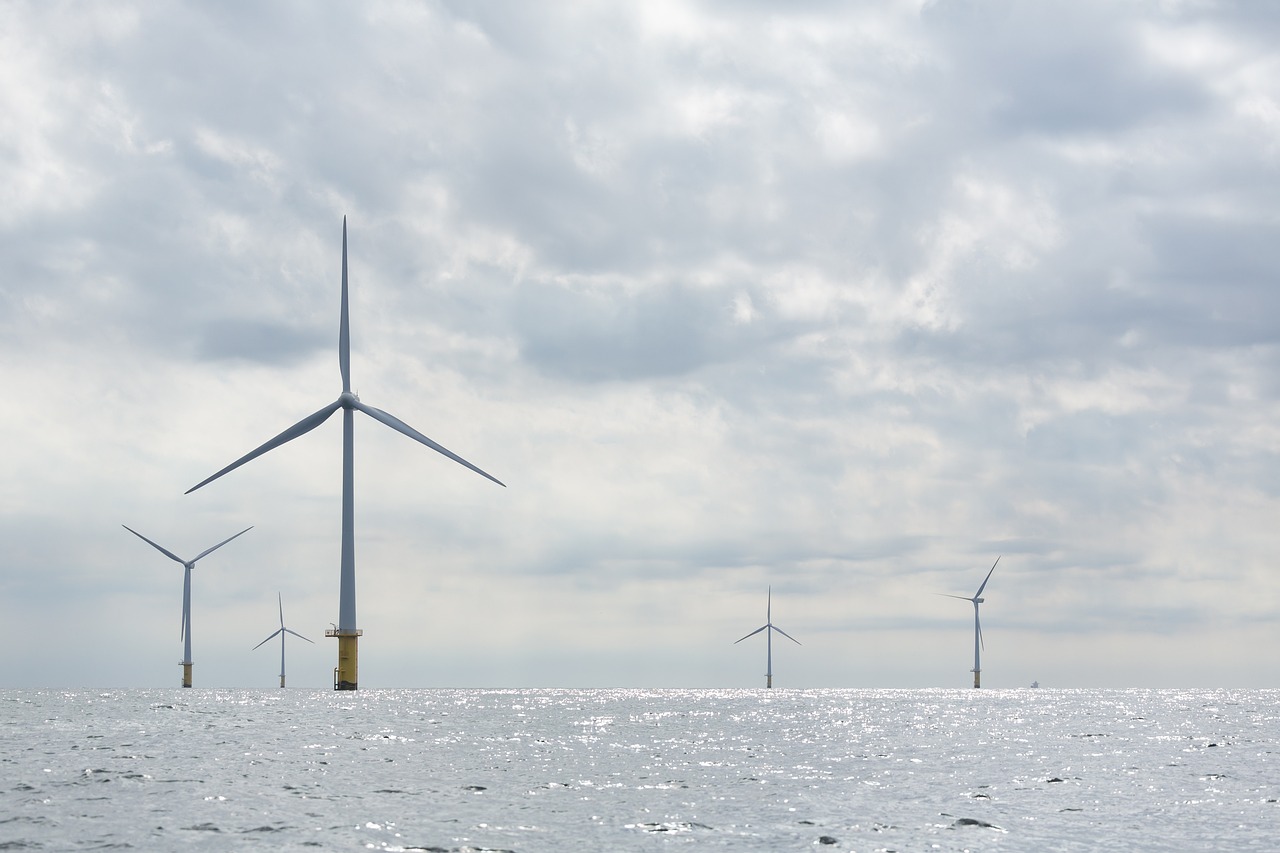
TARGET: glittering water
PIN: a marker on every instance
(616, 770)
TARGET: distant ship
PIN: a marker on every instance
(1035, 684)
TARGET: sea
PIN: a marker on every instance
(640, 770)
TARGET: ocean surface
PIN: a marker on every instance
(642, 770)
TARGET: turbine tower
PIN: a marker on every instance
(345, 674)
(188, 565)
(283, 630)
(768, 627)
(978, 645)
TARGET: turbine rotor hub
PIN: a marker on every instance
(348, 400)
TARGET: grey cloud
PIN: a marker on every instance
(1216, 279)
(609, 333)
(1060, 68)
(259, 341)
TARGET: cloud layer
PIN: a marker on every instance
(842, 300)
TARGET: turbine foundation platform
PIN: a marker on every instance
(346, 673)
(977, 679)
(186, 674)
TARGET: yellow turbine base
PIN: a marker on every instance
(768, 681)
(346, 673)
(977, 678)
(282, 681)
(186, 675)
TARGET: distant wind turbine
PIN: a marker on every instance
(185, 633)
(283, 630)
(345, 674)
(768, 627)
(978, 644)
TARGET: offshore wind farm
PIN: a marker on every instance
(840, 298)
(844, 297)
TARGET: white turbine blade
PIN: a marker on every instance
(978, 594)
(272, 637)
(159, 548)
(186, 599)
(402, 427)
(752, 634)
(280, 601)
(949, 595)
(296, 634)
(785, 634)
(344, 324)
(209, 551)
(302, 427)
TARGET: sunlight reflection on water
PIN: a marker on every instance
(532, 770)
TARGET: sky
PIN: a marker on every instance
(841, 300)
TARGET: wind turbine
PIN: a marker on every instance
(185, 633)
(345, 674)
(283, 630)
(768, 627)
(977, 624)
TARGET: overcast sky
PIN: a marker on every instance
(848, 300)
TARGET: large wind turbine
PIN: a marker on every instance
(283, 630)
(345, 674)
(188, 565)
(977, 624)
(768, 627)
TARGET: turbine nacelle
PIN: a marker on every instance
(348, 400)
